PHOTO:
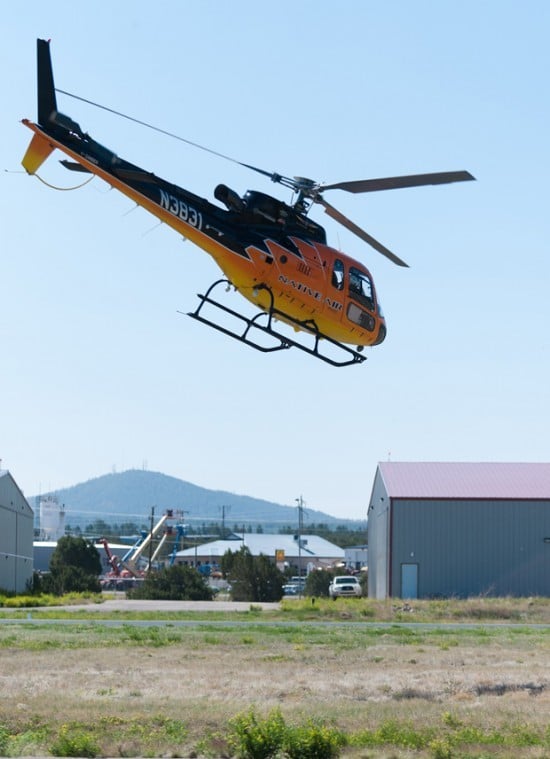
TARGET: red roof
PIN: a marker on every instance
(466, 480)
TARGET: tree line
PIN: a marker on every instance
(341, 535)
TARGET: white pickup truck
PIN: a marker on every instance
(344, 586)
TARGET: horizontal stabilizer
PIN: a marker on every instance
(73, 166)
(136, 175)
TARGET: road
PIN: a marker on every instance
(125, 604)
(113, 606)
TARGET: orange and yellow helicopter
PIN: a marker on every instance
(270, 252)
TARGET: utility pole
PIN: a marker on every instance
(151, 539)
(223, 509)
(300, 502)
(183, 526)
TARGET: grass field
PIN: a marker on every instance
(148, 687)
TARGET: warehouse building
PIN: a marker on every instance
(16, 534)
(459, 529)
(302, 553)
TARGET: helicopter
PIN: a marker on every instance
(270, 252)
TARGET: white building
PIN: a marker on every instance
(16, 533)
(310, 552)
(357, 557)
(52, 518)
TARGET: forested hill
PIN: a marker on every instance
(130, 496)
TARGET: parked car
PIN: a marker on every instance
(345, 586)
(291, 589)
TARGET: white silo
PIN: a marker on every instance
(52, 518)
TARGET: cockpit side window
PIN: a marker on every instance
(360, 288)
(338, 274)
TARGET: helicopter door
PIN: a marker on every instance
(335, 296)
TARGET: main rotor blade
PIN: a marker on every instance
(396, 183)
(335, 214)
(269, 174)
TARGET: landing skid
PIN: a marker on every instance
(283, 342)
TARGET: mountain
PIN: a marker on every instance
(129, 497)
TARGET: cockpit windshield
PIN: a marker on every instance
(360, 288)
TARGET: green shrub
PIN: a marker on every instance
(74, 742)
(177, 583)
(256, 738)
(70, 579)
(440, 749)
(4, 740)
(317, 583)
(392, 732)
(252, 578)
(313, 741)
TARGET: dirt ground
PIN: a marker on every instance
(205, 677)
(276, 674)
(179, 676)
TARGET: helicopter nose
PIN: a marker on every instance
(381, 334)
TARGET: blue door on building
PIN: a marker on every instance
(409, 580)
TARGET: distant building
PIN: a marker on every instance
(51, 525)
(42, 551)
(459, 529)
(16, 532)
(356, 557)
(310, 552)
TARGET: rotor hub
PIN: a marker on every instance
(305, 185)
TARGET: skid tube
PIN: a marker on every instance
(284, 342)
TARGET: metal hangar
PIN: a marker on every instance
(459, 529)
(16, 534)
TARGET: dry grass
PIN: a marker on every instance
(357, 677)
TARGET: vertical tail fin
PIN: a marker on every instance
(47, 104)
(50, 120)
(48, 114)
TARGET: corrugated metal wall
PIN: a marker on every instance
(16, 535)
(465, 548)
(378, 540)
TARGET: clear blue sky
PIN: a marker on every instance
(99, 371)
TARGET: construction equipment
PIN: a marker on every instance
(133, 560)
(114, 561)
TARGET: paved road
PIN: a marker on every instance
(124, 604)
